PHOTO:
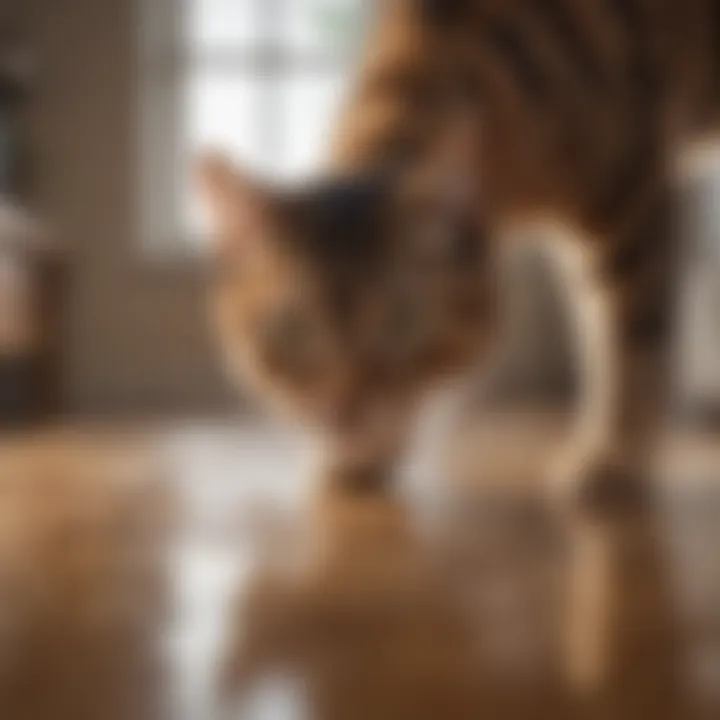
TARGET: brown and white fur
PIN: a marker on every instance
(480, 115)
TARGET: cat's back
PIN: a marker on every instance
(566, 90)
(581, 97)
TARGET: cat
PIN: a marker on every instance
(344, 302)
(351, 299)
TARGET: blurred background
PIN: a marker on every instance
(117, 97)
(103, 104)
(135, 496)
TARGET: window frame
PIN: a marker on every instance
(167, 60)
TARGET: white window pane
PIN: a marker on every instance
(275, 121)
(310, 104)
(220, 112)
(213, 23)
(323, 25)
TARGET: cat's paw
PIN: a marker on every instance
(600, 484)
(353, 479)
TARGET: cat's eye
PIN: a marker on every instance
(292, 340)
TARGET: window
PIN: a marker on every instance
(260, 79)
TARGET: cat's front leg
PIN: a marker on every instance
(620, 289)
(606, 467)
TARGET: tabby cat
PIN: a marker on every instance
(351, 299)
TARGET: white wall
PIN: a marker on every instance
(136, 333)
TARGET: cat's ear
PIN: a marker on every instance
(234, 203)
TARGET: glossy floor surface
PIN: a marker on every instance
(194, 572)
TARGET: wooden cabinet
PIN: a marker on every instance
(32, 292)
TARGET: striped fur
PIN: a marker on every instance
(582, 107)
(579, 86)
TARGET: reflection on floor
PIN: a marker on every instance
(190, 572)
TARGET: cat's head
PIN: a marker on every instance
(346, 301)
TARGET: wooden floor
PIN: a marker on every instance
(195, 572)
